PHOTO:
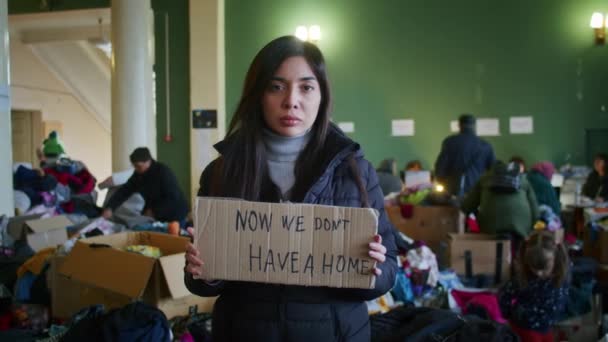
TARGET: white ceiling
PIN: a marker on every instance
(62, 42)
(53, 20)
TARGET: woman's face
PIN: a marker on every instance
(599, 165)
(291, 101)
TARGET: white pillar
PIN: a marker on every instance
(133, 114)
(7, 206)
(207, 81)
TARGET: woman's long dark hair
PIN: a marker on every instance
(245, 167)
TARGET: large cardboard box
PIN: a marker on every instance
(431, 224)
(595, 245)
(487, 254)
(40, 233)
(99, 271)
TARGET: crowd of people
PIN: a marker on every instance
(508, 200)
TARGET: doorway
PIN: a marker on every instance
(596, 141)
(27, 135)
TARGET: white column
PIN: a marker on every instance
(207, 81)
(7, 206)
(133, 118)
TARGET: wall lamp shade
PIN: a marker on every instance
(598, 24)
(310, 34)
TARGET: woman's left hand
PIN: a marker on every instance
(377, 251)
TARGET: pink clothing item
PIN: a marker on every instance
(485, 299)
(546, 168)
(472, 224)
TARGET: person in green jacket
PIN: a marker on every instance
(539, 178)
(505, 202)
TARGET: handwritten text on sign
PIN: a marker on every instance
(301, 244)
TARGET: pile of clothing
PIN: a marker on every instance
(64, 184)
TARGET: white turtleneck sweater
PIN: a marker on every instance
(282, 153)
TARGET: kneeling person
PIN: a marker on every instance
(157, 185)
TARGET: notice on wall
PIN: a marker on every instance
(285, 243)
(347, 127)
(402, 128)
(488, 127)
(454, 126)
(521, 125)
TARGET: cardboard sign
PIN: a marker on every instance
(299, 244)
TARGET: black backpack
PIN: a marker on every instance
(505, 178)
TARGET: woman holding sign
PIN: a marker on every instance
(281, 146)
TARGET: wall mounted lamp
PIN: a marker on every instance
(311, 34)
(598, 24)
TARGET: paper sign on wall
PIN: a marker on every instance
(402, 128)
(347, 127)
(299, 244)
(521, 125)
(488, 127)
(454, 126)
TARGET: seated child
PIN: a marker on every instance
(534, 299)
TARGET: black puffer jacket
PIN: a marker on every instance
(247, 311)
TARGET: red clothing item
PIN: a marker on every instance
(532, 336)
(80, 183)
(485, 299)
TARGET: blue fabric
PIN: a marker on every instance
(403, 288)
(537, 306)
(23, 287)
(158, 227)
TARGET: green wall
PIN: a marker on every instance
(425, 60)
(177, 152)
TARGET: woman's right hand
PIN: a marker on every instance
(193, 263)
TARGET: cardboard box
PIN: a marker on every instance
(489, 255)
(431, 224)
(595, 245)
(40, 233)
(99, 271)
(285, 243)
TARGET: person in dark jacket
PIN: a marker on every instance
(387, 177)
(281, 146)
(464, 157)
(157, 185)
(539, 178)
(596, 186)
